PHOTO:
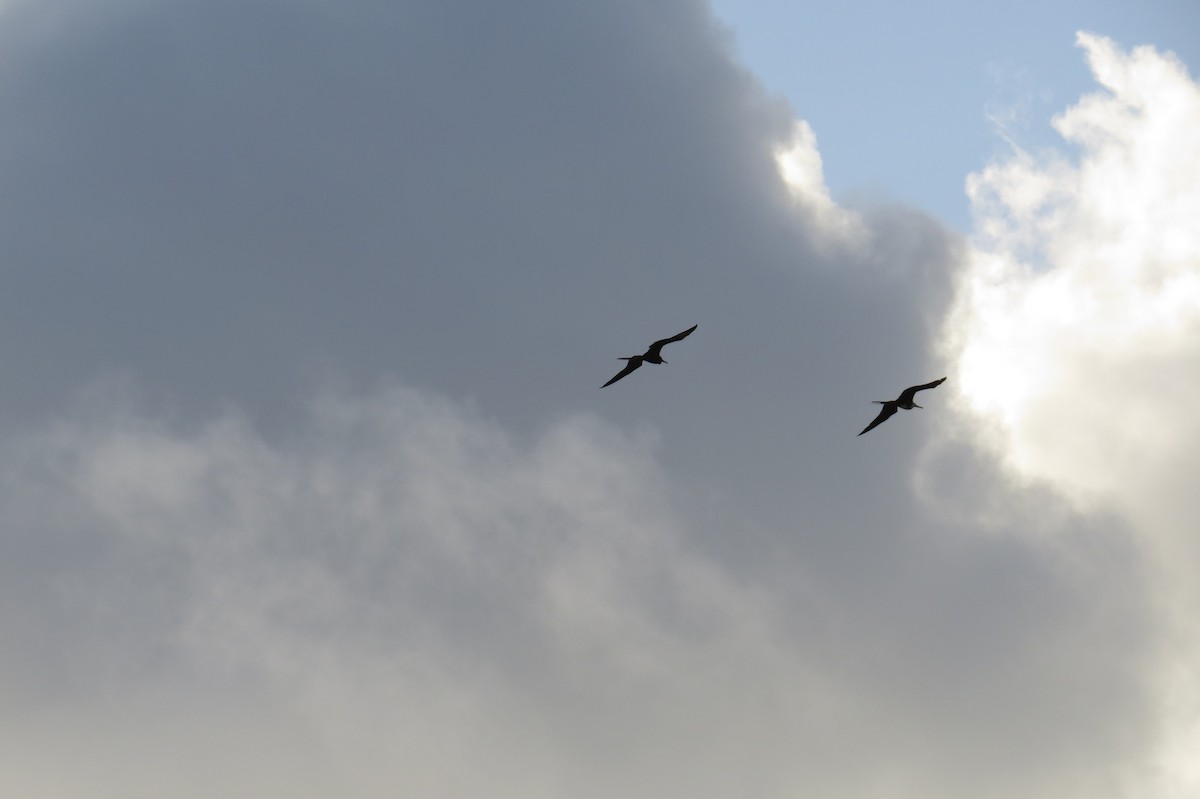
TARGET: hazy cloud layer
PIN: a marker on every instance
(404, 598)
(308, 486)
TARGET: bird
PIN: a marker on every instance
(905, 401)
(651, 355)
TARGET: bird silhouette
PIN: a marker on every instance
(652, 355)
(905, 401)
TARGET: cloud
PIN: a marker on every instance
(1081, 304)
(1076, 325)
(802, 170)
(245, 194)
(407, 593)
(403, 596)
(1076, 322)
(364, 271)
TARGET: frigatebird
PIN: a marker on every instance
(652, 355)
(905, 401)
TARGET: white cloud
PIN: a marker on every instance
(1076, 331)
(1075, 328)
(803, 172)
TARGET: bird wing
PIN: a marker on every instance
(889, 409)
(634, 363)
(907, 395)
(656, 347)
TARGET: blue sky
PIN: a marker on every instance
(900, 94)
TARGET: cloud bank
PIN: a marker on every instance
(407, 595)
(364, 524)
(405, 598)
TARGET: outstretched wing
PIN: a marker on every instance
(634, 363)
(889, 410)
(907, 395)
(656, 348)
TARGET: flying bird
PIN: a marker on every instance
(652, 355)
(905, 401)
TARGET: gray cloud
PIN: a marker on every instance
(407, 597)
(257, 219)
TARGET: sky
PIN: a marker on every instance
(308, 487)
(988, 75)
